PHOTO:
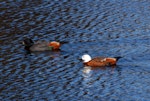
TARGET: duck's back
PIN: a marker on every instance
(97, 62)
(40, 46)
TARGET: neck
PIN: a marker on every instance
(85, 61)
(27, 48)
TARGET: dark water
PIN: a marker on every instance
(97, 27)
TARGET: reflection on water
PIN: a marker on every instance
(86, 70)
(97, 27)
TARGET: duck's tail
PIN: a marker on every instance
(118, 57)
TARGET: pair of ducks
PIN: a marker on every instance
(54, 45)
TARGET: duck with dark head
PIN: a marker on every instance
(40, 45)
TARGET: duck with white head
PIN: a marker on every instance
(99, 61)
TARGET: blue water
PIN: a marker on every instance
(97, 27)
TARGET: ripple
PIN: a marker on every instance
(99, 28)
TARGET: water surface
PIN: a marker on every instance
(97, 27)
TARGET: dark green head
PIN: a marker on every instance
(27, 42)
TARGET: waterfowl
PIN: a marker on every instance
(40, 45)
(99, 61)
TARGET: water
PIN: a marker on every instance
(97, 27)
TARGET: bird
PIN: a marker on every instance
(99, 61)
(40, 45)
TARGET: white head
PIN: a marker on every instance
(86, 58)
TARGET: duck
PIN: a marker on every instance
(99, 61)
(30, 45)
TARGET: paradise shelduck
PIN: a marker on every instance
(99, 61)
(40, 45)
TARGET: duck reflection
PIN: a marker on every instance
(87, 70)
(92, 74)
(87, 76)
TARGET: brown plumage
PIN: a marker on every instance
(55, 45)
(99, 61)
